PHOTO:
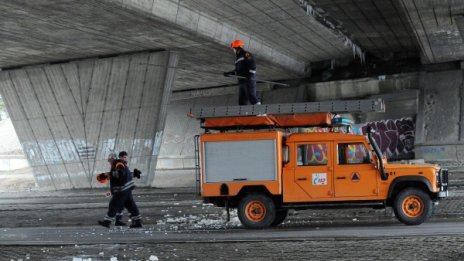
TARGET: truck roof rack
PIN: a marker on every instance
(338, 106)
(287, 115)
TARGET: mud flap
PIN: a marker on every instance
(228, 211)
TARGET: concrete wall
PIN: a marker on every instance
(400, 93)
(176, 159)
(434, 99)
(70, 116)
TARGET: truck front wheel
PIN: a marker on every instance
(412, 206)
(256, 211)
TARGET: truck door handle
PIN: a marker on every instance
(341, 177)
(240, 179)
(301, 178)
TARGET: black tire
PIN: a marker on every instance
(281, 214)
(412, 206)
(256, 211)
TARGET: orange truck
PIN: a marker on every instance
(265, 172)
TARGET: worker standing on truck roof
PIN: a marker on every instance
(121, 185)
(245, 68)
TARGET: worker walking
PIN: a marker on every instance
(245, 68)
(121, 186)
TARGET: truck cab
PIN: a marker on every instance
(344, 169)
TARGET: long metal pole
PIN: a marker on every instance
(257, 80)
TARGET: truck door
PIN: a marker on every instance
(313, 170)
(354, 174)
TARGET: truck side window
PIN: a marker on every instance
(352, 153)
(312, 154)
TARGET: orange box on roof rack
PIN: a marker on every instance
(279, 121)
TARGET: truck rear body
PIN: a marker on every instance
(240, 159)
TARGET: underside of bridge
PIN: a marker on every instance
(84, 78)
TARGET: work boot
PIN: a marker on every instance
(136, 224)
(105, 223)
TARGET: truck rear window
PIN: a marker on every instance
(352, 153)
(312, 154)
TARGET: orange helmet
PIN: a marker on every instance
(236, 44)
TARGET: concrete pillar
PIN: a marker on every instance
(440, 127)
(70, 116)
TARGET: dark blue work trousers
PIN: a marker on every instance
(121, 200)
(247, 91)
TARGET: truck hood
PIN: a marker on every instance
(409, 166)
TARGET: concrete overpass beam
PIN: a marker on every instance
(70, 116)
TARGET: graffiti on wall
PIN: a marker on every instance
(395, 138)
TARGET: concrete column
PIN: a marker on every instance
(440, 129)
(70, 116)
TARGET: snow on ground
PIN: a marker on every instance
(151, 258)
(17, 180)
(200, 222)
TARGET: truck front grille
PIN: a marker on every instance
(443, 179)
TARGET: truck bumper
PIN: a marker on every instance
(442, 194)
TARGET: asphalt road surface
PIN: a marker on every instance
(178, 226)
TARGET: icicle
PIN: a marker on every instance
(348, 42)
(309, 10)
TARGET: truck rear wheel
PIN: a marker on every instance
(412, 206)
(256, 211)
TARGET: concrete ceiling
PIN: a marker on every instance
(286, 36)
(280, 23)
(378, 26)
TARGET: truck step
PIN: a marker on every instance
(341, 204)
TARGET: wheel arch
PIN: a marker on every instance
(401, 183)
(257, 189)
(232, 201)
